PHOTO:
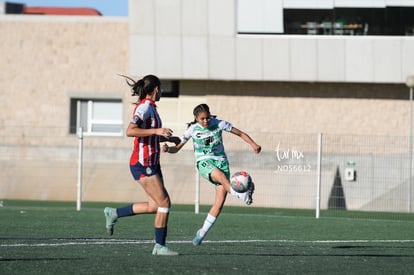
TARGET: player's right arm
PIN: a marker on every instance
(177, 147)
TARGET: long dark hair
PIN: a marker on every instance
(144, 86)
(200, 109)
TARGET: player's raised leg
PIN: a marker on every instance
(113, 214)
(218, 176)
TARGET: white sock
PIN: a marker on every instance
(208, 224)
(241, 196)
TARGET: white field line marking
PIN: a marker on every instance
(123, 242)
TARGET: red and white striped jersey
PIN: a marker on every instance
(146, 149)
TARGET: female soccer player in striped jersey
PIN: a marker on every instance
(212, 163)
(147, 130)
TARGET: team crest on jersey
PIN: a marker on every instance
(148, 171)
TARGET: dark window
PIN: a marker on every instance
(351, 21)
(170, 88)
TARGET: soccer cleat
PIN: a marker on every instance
(198, 239)
(161, 250)
(111, 218)
(249, 194)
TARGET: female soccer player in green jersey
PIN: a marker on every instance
(212, 163)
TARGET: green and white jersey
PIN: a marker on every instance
(208, 142)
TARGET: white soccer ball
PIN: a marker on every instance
(240, 181)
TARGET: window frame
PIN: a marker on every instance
(91, 121)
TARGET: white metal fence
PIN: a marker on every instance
(361, 173)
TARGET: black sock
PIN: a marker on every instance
(125, 211)
(160, 235)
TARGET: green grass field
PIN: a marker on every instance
(54, 238)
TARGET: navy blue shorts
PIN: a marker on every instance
(139, 171)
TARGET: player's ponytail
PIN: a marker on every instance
(142, 87)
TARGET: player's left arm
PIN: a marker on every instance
(256, 147)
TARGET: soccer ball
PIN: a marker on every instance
(240, 181)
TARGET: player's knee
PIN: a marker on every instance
(219, 178)
(166, 203)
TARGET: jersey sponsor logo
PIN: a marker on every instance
(201, 134)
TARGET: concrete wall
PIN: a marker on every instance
(46, 60)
